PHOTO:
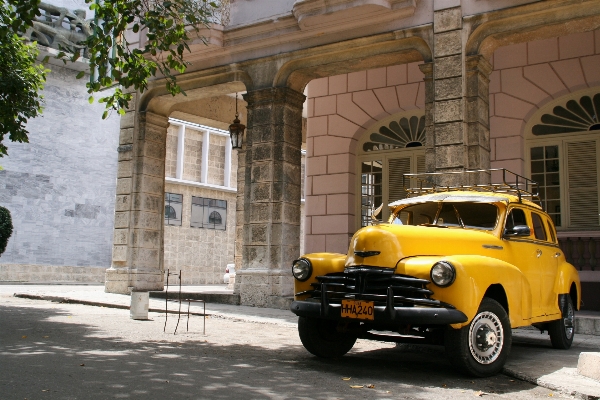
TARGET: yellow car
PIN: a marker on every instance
(455, 268)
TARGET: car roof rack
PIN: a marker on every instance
(495, 180)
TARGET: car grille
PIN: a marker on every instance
(380, 285)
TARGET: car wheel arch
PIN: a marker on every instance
(497, 292)
(574, 295)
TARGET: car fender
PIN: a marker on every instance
(474, 275)
(566, 276)
(322, 264)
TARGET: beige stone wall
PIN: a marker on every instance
(192, 160)
(201, 254)
(35, 273)
(216, 160)
(171, 157)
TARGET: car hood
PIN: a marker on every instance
(386, 244)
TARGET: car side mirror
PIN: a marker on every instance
(518, 230)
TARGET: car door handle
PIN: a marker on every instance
(538, 253)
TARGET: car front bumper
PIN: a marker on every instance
(385, 314)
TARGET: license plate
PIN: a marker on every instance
(358, 309)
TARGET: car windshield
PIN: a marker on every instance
(456, 214)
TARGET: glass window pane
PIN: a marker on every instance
(538, 227)
(537, 153)
(208, 213)
(551, 165)
(537, 167)
(553, 179)
(539, 178)
(551, 152)
(173, 209)
(553, 193)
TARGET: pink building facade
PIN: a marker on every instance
(544, 83)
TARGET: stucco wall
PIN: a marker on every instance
(340, 108)
(526, 76)
(60, 188)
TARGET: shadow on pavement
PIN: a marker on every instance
(43, 358)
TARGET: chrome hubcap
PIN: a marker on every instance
(486, 337)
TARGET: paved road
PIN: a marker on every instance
(69, 351)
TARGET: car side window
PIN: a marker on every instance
(551, 231)
(515, 218)
(538, 227)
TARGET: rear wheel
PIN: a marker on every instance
(322, 337)
(562, 331)
(481, 348)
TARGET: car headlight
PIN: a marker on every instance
(302, 269)
(443, 273)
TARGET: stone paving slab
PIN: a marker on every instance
(532, 358)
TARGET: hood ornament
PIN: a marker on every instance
(366, 253)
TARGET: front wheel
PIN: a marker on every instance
(481, 348)
(322, 337)
(562, 330)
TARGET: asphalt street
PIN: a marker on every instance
(69, 351)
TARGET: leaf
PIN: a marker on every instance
(346, 379)
(82, 365)
(91, 99)
(371, 386)
(357, 386)
(479, 393)
(80, 75)
(23, 337)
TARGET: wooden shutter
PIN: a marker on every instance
(398, 167)
(421, 164)
(582, 173)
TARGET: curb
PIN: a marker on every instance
(523, 377)
(218, 298)
(58, 299)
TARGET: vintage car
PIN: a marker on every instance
(458, 266)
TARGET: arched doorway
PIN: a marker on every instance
(388, 149)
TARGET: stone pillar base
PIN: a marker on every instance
(122, 280)
(265, 288)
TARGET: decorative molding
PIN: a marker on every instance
(201, 185)
(318, 14)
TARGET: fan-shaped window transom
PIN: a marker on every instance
(572, 116)
(400, 133)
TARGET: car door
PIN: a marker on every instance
(523, 253)
(546, 241)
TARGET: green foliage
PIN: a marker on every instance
(114, 62)
(168, 26)
(6, 228)
(21, 79)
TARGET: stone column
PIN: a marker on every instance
(477, 112)
(239, 213)
(460, 104)
(137, 260)
(430, 163)
(272, 174)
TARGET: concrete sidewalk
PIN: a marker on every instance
(532, 357)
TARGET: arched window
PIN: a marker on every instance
(170, 212)
(215, 218)
(390, 148)
(563, 145)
